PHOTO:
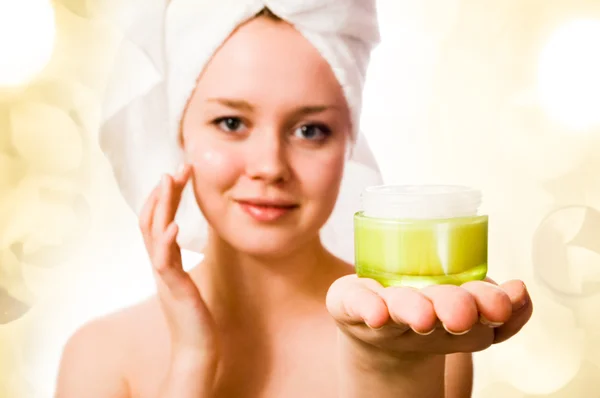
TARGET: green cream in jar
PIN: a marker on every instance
(420, 235)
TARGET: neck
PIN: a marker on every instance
(240, 285)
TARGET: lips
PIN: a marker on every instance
(265, 210)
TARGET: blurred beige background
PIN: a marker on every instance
(503, 95)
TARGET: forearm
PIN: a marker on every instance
(459, 375)
(366, 373)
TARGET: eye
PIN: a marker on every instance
(230, 124)
(312, 132)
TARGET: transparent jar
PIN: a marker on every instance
(419, 235)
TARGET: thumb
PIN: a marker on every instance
(354, 301)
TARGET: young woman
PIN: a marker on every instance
(270, 312)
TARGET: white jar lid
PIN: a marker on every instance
(420, 201)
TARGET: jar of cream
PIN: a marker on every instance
(420, 235)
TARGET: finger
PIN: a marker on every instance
(409, 307)
(454, 306)
(493, 303)
(179, 182)
(168, 266)
(146, 216)
(517, 292)
(167, 254)
(148, 208)
(522, 309)
(172, 188)
(352, 301)
(163, 207)
(182, 176)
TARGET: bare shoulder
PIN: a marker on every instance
(97, 360)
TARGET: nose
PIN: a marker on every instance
(267, 158)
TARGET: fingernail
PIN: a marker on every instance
(523, 302)
(455, 333)
(373, 328)
(483, 320)
(424, 333)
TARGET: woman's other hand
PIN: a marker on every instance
(398, 330)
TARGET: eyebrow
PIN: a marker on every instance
(246, 106)
(233, 103)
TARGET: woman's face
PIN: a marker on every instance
(266, 133)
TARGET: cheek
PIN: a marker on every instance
(214, 166)
(322, 178)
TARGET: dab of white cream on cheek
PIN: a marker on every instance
(210, 160)
(200, 156)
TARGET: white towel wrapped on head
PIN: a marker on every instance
(164, 52)
(343, 31)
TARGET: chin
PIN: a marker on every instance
(273, 243)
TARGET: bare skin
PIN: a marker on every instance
(262, 353)
(269, 312)
(131, 358)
